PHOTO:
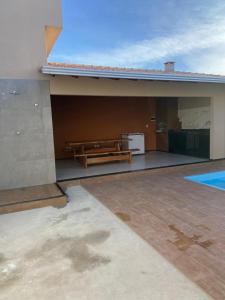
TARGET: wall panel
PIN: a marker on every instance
(81, 118)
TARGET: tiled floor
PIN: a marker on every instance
(183, 220)
(69, 168)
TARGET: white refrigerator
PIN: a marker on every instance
(134, 140)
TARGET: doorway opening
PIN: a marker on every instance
(101, 131)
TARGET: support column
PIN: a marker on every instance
(217, 128)
(26, 136)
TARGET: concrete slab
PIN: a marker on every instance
(83, 251)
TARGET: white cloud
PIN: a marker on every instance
(211, 61)
(199, 44)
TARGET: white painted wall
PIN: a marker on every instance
(217, 130)
(194, 113)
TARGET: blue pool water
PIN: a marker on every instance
(214, 179)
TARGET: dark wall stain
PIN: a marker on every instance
(183, 242)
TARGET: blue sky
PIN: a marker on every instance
(144, 33)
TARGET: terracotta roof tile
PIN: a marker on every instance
(117, 69)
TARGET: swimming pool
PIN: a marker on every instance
(214, 179)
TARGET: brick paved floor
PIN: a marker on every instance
(184, 221)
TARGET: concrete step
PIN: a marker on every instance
(31, 197)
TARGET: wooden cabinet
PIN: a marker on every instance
(193, 142)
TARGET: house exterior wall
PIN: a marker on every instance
(26, 151)
(65, 85)
(60, 85)
(28, 32)
(23, 48)
(26, 138)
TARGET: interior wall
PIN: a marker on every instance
(194, 113)
(166, 119)
(79, 118)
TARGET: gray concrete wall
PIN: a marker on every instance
(26, 136)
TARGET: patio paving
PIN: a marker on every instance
(184, 221)
(83, 251)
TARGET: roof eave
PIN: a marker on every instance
(49, 70)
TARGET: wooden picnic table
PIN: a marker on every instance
(104, 145)
(97, 142)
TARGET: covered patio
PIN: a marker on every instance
(97, 135)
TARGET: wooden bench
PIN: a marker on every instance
(96, 152)
(103, 157)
